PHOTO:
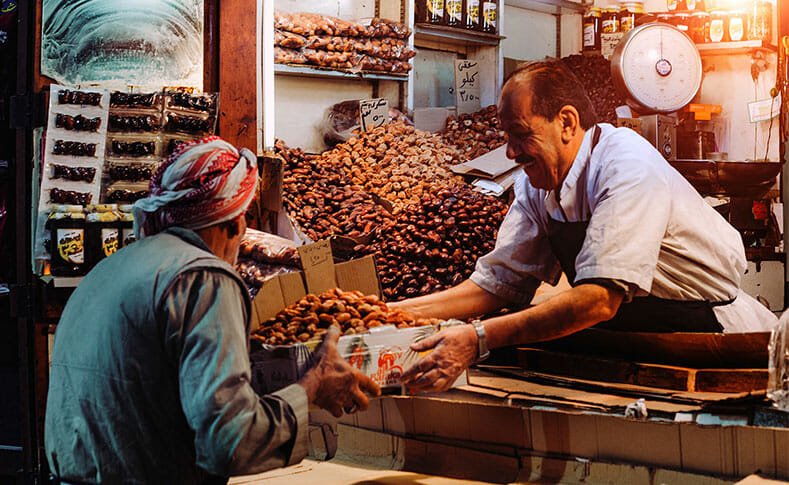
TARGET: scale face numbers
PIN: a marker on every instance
(658, 67)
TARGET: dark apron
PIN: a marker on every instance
(642, 314)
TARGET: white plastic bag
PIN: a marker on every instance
(778, 383)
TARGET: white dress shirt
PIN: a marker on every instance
(648, 228)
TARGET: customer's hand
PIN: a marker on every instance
(454, 349)
(333, 384)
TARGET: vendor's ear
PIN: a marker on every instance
(233, 226)
(571, 122)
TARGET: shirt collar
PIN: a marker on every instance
(189, 236)
(568, 188)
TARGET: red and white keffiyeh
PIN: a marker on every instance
(204, 182)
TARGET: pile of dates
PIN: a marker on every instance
(323, 201)
(594, 72)
(435, 244)
(396, 163)
(394, 196)
(352, 312)
(475, 134)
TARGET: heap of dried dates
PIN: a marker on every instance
(475, 134)
(352, 312)
(594, 72)
(437, 226)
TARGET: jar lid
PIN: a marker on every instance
(664, 15)
(700, 14)
(102, 208)
(681, 15)
(611, 10)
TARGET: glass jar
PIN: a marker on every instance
(629, 15)
(610, 23)
(127, 225)
(102, 232)
(591, 37)
(719, 26)
(430, 11)
(471, 20)
(490, 17)
(665, 17)
(694, 6)
(760, 21)
(676, 5)
(681, 20)
(737, 25)
(700, 27)
(453, 13)
(67, 241)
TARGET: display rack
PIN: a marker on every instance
(732, 48)
(442, 33)
(317, 72)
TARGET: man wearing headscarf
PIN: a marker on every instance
(150, 372)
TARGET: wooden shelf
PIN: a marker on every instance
(729, 48)
(549, 6)
(312, 71)
(442, 33)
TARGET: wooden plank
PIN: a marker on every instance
(731, 380)
(607, 370)
(647, 375)
(697, 350)
(237, 78)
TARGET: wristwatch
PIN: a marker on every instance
(482, 341)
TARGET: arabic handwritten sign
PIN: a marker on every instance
(467, 86)
(373, 113)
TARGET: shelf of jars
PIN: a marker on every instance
(319, 72)
(730, 48)
(443, 33)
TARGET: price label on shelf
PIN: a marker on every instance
(467, 88)
(373, 113)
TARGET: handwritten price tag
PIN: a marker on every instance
(373, 113)
(467, 86)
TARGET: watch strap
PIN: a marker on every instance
(482, 341)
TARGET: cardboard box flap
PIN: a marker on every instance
(359, 274)
(318, 266)
(489, 165)
(268, 302)
(292, 288)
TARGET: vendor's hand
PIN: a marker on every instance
(455, 348)
(333, 384)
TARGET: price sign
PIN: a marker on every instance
(373, 113)
(467, 86)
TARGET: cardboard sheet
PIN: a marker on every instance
(490, 165)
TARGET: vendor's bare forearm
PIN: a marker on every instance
(570, 311)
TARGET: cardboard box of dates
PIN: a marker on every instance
(292, 311)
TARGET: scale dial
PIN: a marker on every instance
(657, 68)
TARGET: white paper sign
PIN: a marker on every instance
(467, 86)
(373, 113)
(764, 109)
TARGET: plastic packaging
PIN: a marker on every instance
(135, 122)
(268, 248)
(778, 366)
(74, 174)
(119, 99)
(130, 171)
(126, 192)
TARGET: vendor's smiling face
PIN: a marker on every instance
(534, 141)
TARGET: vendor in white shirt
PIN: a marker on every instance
(641, 248)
